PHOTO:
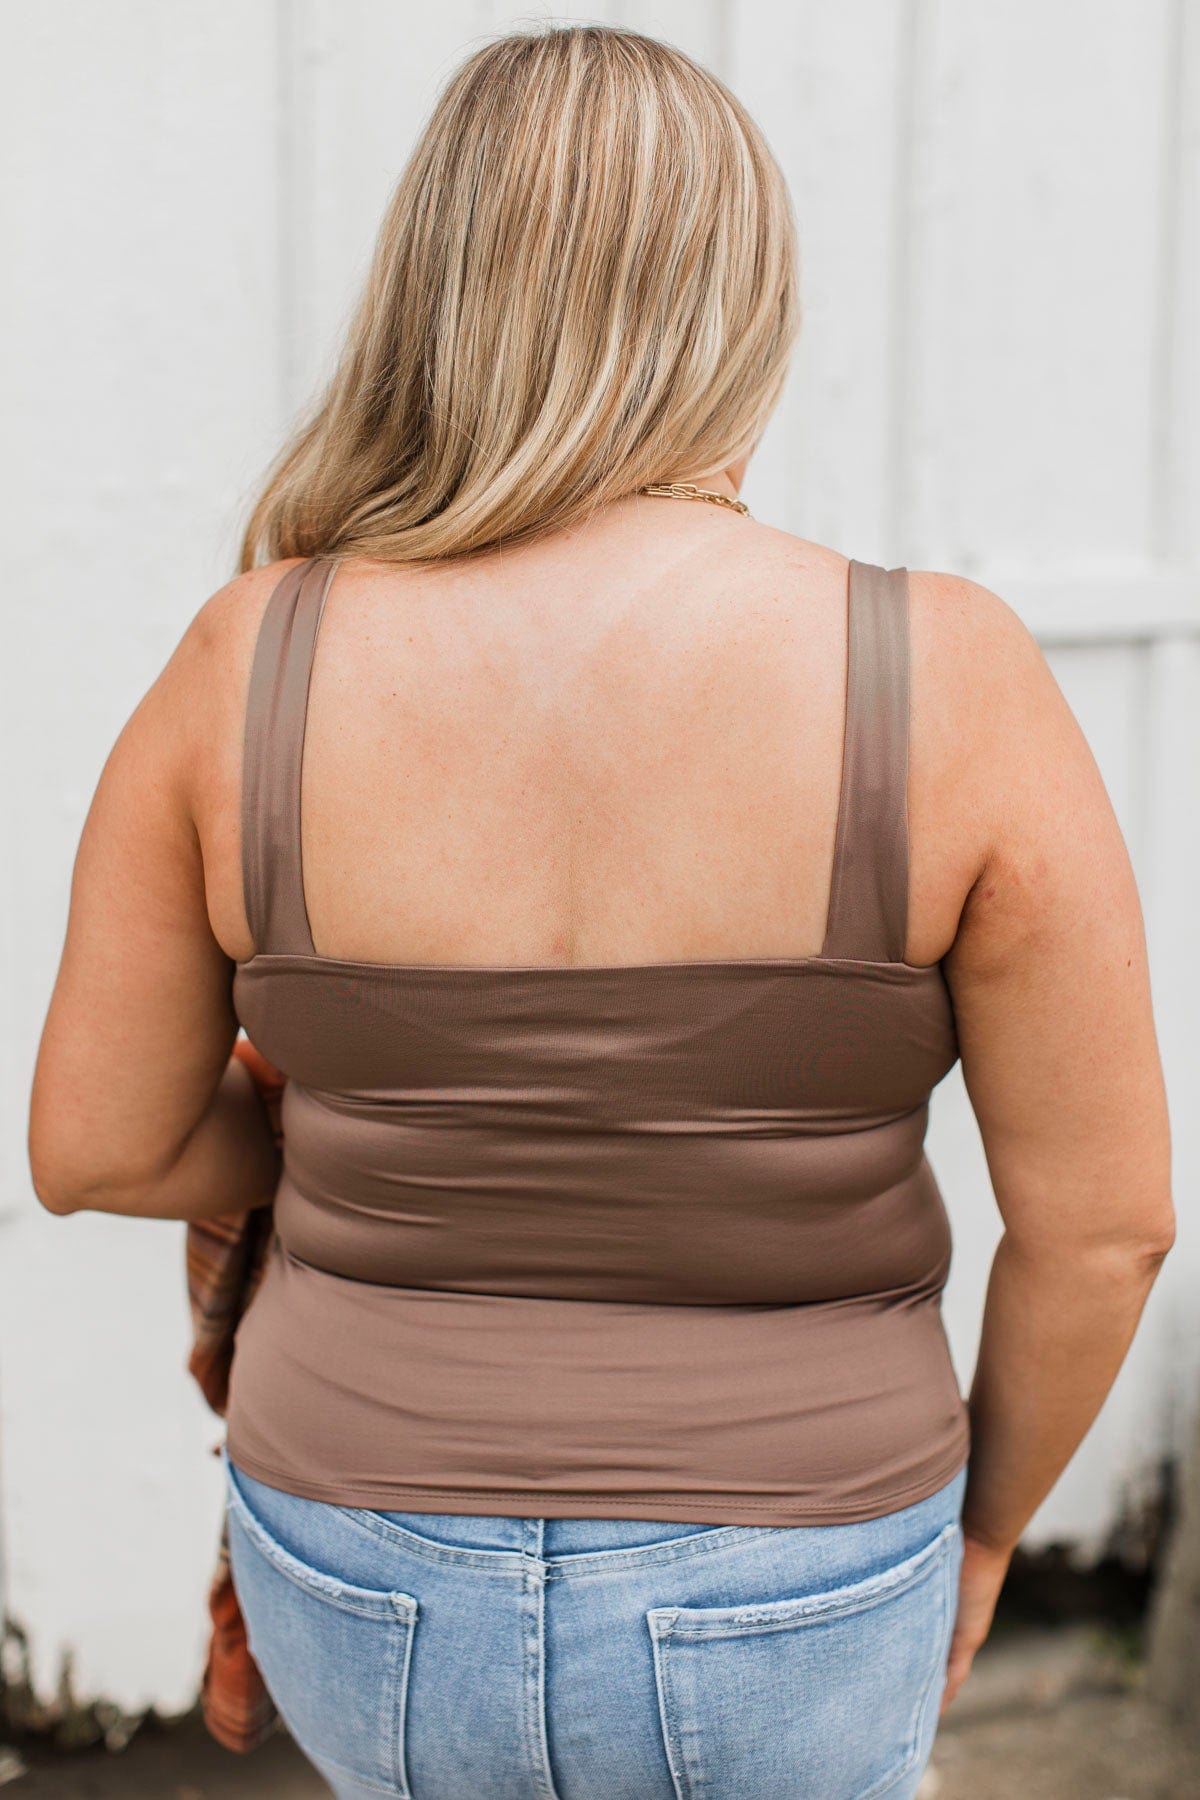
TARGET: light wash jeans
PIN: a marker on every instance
(439, 1656)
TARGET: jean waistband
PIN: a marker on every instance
(548, 1538)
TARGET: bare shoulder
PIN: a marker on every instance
(967, 631)
(776, 552)
(1055, 871)
(975, 661)
(228, 621)
(210, 665)
(985, 700)
(204, 684)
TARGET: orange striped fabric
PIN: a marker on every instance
(225, 1260)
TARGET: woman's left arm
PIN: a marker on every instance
(138, 1105)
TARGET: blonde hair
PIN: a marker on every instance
(584, 282)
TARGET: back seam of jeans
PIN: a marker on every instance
(666, 1550)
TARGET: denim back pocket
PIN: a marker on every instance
(335, 1657)
(830, 1696)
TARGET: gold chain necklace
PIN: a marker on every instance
(687, 490)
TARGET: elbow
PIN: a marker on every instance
(49, 1168)
(47, 1181)
(65, 1183)
(62, 1197)
(1145, 1252)
(1155, 1248)
(63, 1192)
(1155, 1235)
(56, 1193)
(55, 1199)
(1132, 1254)
(51, 1175)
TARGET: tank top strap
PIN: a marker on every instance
(272, 757)
(868, 898)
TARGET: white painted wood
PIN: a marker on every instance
(140, 328)
(1036, 213)
(823, 82)
(1139, 602)
(998, 212)
(359, 79)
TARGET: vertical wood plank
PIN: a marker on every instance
(139, 305)
(1040, 163)
(827, 85)
(1178, 476)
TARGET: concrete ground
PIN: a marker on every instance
(1060, 1713)
(1048, 1713)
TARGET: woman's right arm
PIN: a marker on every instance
(1051, 991)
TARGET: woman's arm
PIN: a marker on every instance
(229, 1163)
(1051, 992)
(137, 1106)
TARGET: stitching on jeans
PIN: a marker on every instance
(339, 1768)
(401, 1676)
(505, 1562)
(816, 1609)
(688, 1777)
(691, 1543)
(681, 1779)
(917, 1728)
(373, 1604)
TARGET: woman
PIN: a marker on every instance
(594, 1431)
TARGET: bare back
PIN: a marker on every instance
(617, 745)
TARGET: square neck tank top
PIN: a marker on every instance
(638, 1241)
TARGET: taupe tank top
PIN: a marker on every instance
(654, 1241)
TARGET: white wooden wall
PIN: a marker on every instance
(998, 375)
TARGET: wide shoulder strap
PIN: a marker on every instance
(272, 758)
(868, 899)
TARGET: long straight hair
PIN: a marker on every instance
(584, 282)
